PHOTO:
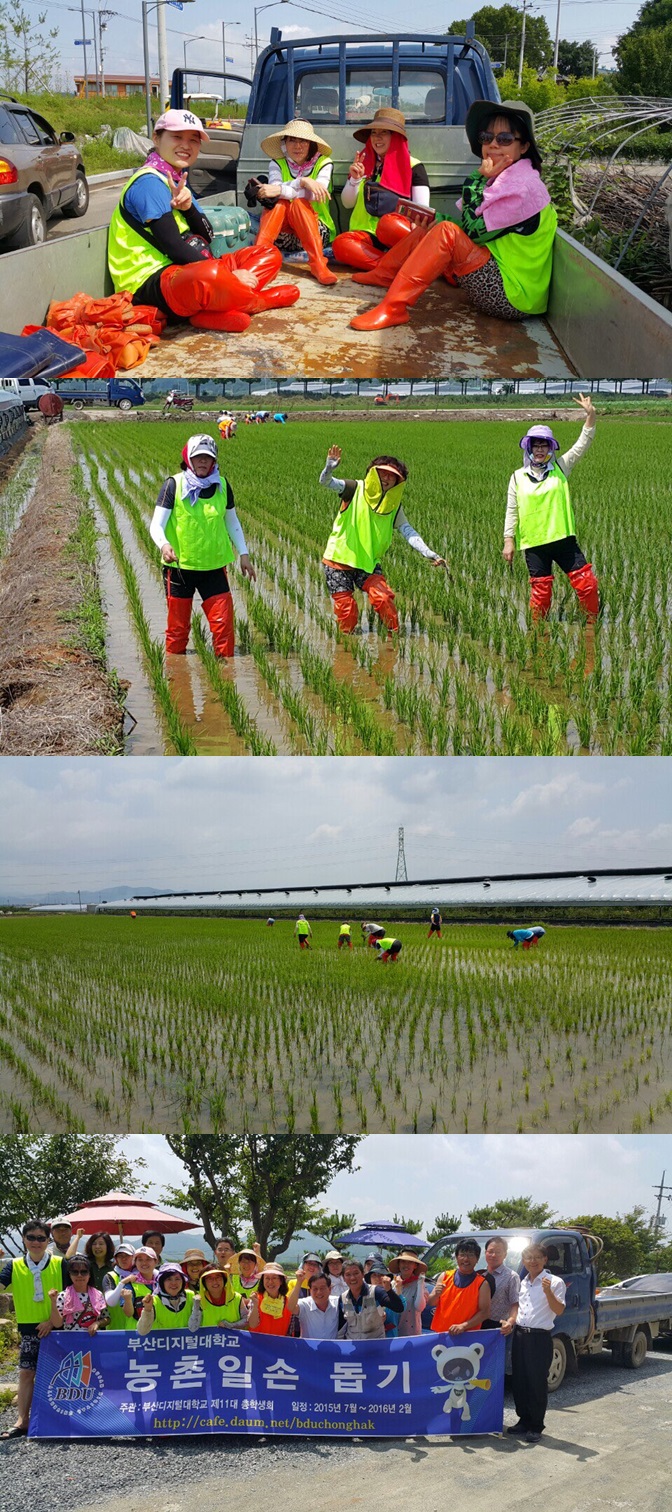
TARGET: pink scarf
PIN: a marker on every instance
(301, 170)
(155, 160)
(82, 1308)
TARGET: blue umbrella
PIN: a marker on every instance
(387, 1235)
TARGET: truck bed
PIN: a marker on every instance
(621, 1310)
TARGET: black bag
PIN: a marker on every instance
(251, 190)
(379, 201)
(199, 244)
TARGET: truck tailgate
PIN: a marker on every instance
(621, 1311)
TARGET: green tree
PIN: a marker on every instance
(653, 15)
(411, 1225)
(539, 94)
(330, 1225)
(445, 1223)
(576, 59)
(512, 1212)
(628, 1243)
(645, 62)
(56, 1174)
(499, 27)
(271, 1181)
(29, 58)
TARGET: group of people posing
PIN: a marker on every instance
(197, 531)
(58, 1285)
(500, 252)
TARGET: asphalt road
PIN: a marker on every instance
(101, 204)
(607, 1446)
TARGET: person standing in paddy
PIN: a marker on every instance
(370, 512)
(434, 924)
(303, 932)
(540, 518)
(345, 936)
(198, 533)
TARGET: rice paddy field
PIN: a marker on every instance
(156, 1023)
(468, 674)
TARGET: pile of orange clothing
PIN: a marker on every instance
(116, 333)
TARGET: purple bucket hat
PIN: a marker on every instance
(539, 433)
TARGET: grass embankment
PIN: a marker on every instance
(87, 117)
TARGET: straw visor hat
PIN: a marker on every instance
(406, 1255)
(303, 129)
(385, 119)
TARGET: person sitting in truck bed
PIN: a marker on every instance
(387, 166)
(158, 243)
(502, 253)
(295, 201)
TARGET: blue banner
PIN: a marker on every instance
(236, 1382)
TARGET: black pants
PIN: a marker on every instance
(180, 582)
(531, 1361)
(567, 553)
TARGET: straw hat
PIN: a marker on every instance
(385, 119)
(406, 1255)
(303, 129)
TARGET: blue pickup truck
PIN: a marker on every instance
(623, 1318)
(99, 393)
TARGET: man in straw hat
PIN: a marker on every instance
(502, 252)
(385, 162)
(295, 201)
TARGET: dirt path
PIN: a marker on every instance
(54, 694)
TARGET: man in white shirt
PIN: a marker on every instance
(318, 1312)
(541, 1301)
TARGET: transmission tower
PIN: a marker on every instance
(402, 874)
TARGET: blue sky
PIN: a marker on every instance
(580, 19)
(215, 822)
(419, 1176)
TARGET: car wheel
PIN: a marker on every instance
(124, 404)
(558, 1367)
(80, 204)
(34, 230)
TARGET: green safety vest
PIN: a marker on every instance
(360, 220)
(362, 532)
(118, 1317)
(243, 1288)
(526, 264)
(322, 211)
(345, 929)
(386, 941)
(302, 928)
(544, 508)
(215, 1313)
(133, 258)
(197, 532)
(164, 1317)
(21, 1287)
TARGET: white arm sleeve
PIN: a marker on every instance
(293, 188)
(157, 529)
(511, 520)
(327, 477)
(410, 534)
(420, 195)
(349, 193)
(585, 440)
(235, 530)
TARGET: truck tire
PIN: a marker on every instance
(80, 204)
(635, 1354)
(558, 1366)
(617, 1353)
(77, 403)
(124, 404)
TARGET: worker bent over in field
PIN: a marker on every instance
(540, 518)
(345, 937)
(526, 937)
(370, 512)
(303, 932)
(388, 948)
(434, 924)
(372, 932)
(197, 531)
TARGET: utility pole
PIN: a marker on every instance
(162, 38)
(556, 49)
(402, 874)
(522, 45)
(595, 58)
(663, 1194)
(86, 66)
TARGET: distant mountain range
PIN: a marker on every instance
(109, 893)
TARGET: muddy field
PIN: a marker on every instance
(185, 1023)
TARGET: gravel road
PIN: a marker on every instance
(607, 1446)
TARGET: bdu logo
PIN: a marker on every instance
(76, 1386)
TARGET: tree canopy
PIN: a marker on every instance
(645, 61)
(56, 1174)
(512, 1212)
(499, 27)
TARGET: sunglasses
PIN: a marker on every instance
(36, 1238)
(79, 1270)
(502, 138)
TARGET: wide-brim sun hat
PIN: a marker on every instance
(272, 145)
(406, 1255)
(539, 433)
(334, 1255)
(385, 119)
(181, 120)
(247, 1254)
(273, 1269)
(486, 110)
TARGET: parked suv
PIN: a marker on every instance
(40, 173)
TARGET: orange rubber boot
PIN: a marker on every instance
(541, 593)
(218, 611)
(445, 249)
(345, 609)
(304, 223)
(179, 624)
(392, 228)
(584, 583)
(211, 287)
(273, 221)
(356, 250)
(381, 596)
(385, 271)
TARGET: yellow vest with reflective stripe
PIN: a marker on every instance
(197, 532)
(131, 258)
(322, 211)
(21, 1287)
(360, 220)
(362, 532)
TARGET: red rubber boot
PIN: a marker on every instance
(541, 593)
(204, 291)
(304, 223)
(385, 271)
(218, 611)
(392, 228)
(381, 596)
(356, 250)
(345, 609)
(179, 624)
(273, 221)
(584, 583)
(445, 249)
